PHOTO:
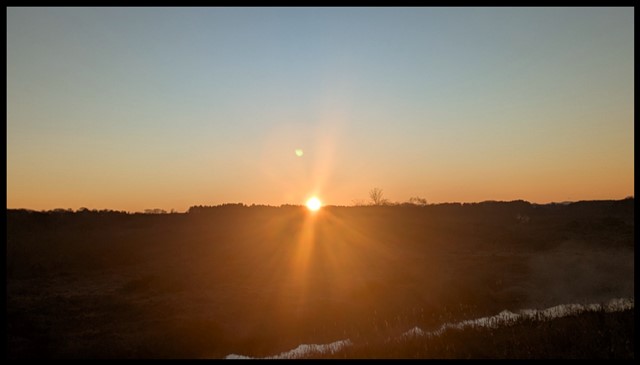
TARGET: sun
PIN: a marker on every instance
(314, 204)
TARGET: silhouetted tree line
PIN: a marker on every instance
(204, 208)
(69, 211)
(196, 209)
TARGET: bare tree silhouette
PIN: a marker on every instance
(376, 197)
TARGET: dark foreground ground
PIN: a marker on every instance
(258, 281)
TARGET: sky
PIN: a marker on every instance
(140, 108)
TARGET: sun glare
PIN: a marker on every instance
(314, 204)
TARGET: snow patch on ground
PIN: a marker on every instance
(507, 318)
(304, 350)
(501, 319)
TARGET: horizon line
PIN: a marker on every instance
(286, 205)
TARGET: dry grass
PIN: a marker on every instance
(257, 281)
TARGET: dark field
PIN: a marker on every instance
(259, 281)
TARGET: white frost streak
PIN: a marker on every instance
(501, 319)
(506, 317)
(304, 350)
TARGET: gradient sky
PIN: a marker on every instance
(135, 108)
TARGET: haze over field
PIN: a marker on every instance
(136, 108)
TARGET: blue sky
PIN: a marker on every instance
(133, 108)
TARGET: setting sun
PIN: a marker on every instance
(314, 204)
